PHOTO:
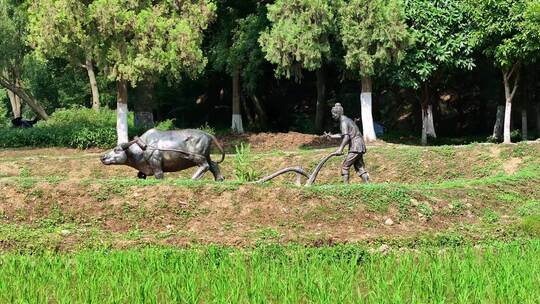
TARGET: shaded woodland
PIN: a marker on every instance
(419, 69)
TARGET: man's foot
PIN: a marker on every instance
(365, 177)
(346, 179)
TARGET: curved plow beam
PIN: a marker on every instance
(298, 170)
(313, 175)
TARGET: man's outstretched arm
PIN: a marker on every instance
(332, 136)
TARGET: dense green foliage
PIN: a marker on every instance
(441, 31)
(299, 36)
(373, 36)
(345, 274)
(500, 31)
(139, 38)
(410, 50)
(77, 128)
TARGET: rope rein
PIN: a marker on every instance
(144, 146)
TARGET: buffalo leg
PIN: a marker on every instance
(156, 163)
(203, 167)
(214, 168)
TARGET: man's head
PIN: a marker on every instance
(337, 111)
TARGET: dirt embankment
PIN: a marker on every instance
(246, 214)
(59, 190)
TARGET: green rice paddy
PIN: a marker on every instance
(499, 273)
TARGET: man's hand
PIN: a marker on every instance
(331, 136)
(339, 152)
(327, 135)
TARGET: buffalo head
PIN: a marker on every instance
(116, 156)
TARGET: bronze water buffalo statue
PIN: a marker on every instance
(156, 152)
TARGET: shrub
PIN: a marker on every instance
(165, 125)
(4, 120)
(76, 128)
(208, 129)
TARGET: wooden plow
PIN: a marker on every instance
(300, 172)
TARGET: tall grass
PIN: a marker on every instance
(508, 273)
(244, 167)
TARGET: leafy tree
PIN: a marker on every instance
(234, 49)
(141, 39)
(64, 28)
(248, 53)
(13, 55)
(501, 32)
(299, 39)
(374, 35)
(441, 31)
(531, 28)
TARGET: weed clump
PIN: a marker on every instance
(244, 168)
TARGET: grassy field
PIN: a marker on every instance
(448, 224)
(503, 273)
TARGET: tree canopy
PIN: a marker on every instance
(299, 35)
(374, 34)
(279, 64)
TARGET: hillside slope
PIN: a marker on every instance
(65, 199)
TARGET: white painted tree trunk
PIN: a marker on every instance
(509, 93)
(122, 112)
(367, 116)
(93, 83)
(428, 128)
(524, 127)
(507, 118)
(498, 128)
(236, 125)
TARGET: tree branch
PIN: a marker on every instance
(26, 97)
(514, 89)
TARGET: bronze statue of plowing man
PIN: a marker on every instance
(353, 139)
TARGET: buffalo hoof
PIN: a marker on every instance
(141, 175)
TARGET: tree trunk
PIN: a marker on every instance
(510, 88)
(524, 135)
(367, 116)
(321, 99)
(89, 66)
(428, 127)
(498, 128)
(122, 112)
(15, 102)
(538, 120)
(24, 96)
(261, 114)
(236, 111)
(247, 110)
(144, 103)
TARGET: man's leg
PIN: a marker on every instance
(359, 168)
(345, 168)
